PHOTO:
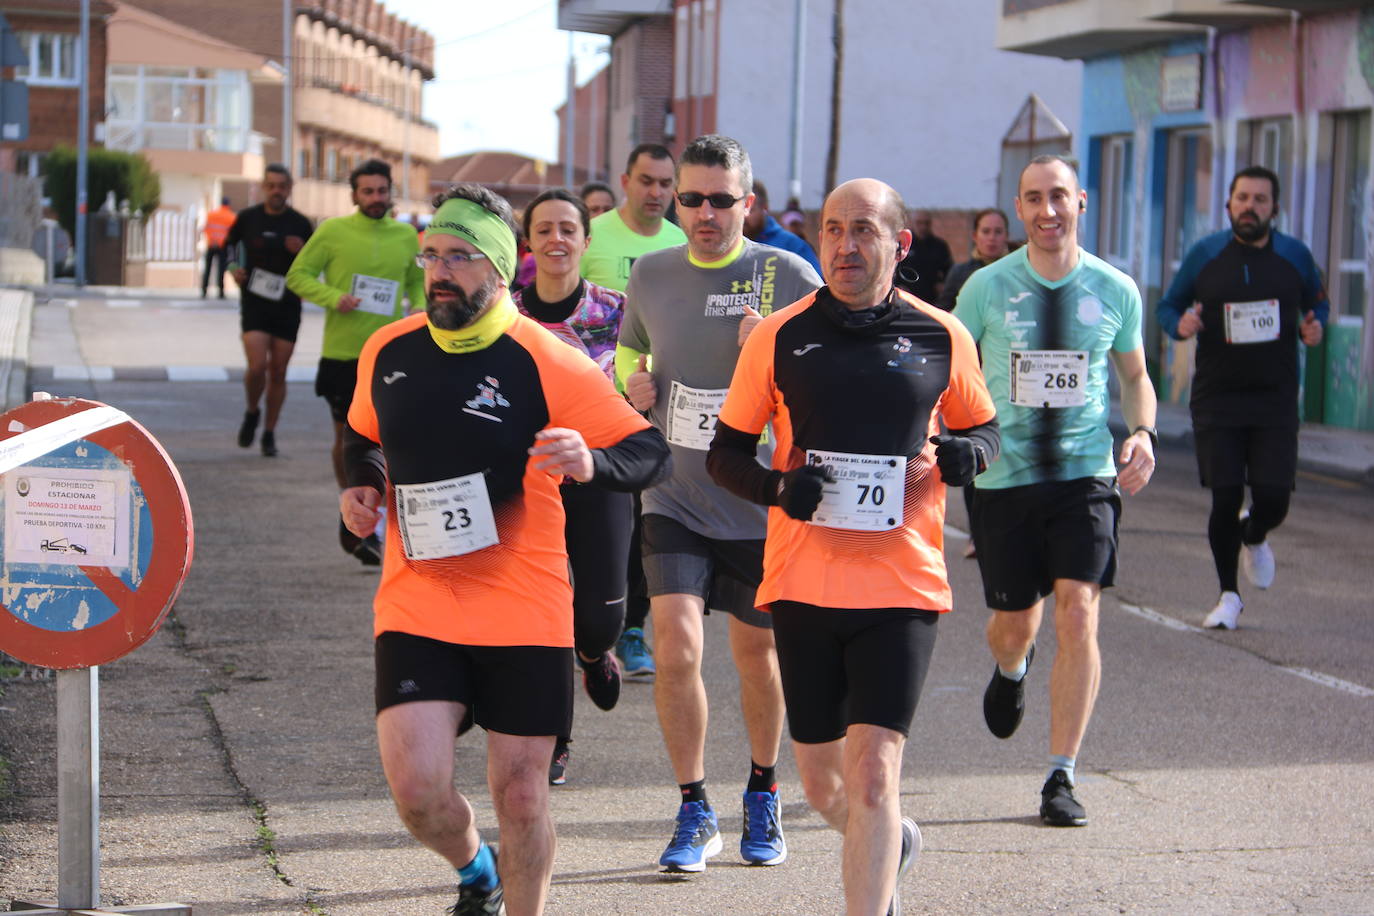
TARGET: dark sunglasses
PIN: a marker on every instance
(722, 201)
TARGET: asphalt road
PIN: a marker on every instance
(1223, 772)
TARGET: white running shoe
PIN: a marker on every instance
(1226, 615)
(1258, 562)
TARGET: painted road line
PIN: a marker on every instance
(82, 374)
(1163, 620)
(1327, 680)
(1316, 677)
(124, 303)
(197, 374)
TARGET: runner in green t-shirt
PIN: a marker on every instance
(369, 268)
(637, 226)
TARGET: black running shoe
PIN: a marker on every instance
(1004, 702)
(602, 680)
(472, 902)
(269, 443)
(558, 767)
(248, 427)
(1058, 807)
(369, 551)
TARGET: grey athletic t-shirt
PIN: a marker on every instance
(687, 315)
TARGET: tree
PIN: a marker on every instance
(128, 175)
(832, 158)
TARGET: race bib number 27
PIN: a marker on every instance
(692, 414)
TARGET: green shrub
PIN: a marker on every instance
(129, 175)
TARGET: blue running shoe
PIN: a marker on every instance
(762, 842)
(635, 658)
(695, 839)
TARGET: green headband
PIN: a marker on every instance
(474, 223)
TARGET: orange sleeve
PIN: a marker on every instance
(362, 414)
(578, 393)
(752, 399)
(966, 402)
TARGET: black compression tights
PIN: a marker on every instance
(1268, 508)
(597, 530)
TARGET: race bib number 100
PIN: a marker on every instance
(446, 518)
(692, 414)
(375, 295)
(869, 492)
(1252, 322)
(1048, 378)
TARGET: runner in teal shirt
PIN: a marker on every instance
(1058, 334)
(1045, 514)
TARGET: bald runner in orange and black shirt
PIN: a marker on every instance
(855, 380)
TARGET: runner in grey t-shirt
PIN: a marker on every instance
(687, 313)
(689, 309)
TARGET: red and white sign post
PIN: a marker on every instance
(97, 542)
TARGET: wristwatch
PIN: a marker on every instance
(1149, 431)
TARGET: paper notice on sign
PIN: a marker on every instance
(67, 516)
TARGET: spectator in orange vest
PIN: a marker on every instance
(217, 223)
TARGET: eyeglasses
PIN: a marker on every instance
(453, 262)
(722, 201)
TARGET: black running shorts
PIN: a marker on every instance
(515, 690)
(1232, 456)
(1030, 536)
(678, 561)
(843, 667)
(335, 381)
(279, 319)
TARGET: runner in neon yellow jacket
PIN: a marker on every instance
(348, 247)
(369, 267)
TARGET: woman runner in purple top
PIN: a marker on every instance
(598, 522)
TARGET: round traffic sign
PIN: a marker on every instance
(97, 533)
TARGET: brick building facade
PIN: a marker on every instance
(50, 35)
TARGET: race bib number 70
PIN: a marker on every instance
(869, 492)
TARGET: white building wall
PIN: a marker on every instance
(927, 97)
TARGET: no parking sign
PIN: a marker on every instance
(97, 533)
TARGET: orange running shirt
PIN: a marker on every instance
(848, 395)
(440, 416)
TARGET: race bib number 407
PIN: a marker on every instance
(1252, 322)
(375, 295)
(1048, 378)
(692, 414)
(869, 492)
(446, 518)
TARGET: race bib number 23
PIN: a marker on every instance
(446, 518)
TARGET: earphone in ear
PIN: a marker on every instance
(1082, 206)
